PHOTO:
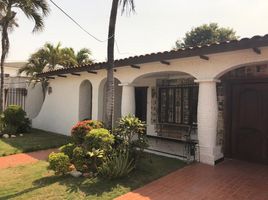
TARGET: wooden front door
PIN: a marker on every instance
(250, 122)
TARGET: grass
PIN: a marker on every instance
(35, 182)
(33, 141)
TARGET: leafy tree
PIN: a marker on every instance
(206, 34)
(35, 10)
(127, 7)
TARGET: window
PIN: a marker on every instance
(178, 104)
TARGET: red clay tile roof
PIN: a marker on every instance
(233, 45)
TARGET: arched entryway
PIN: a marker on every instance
(85, 100)
(167, 102)
(103, 99)
(243, 103)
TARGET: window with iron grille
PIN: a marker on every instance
(177, 104)
(15, 96)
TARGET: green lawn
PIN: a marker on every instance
(36, 140)
(35, 182)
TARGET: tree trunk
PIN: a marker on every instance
(5, 47)
(110, 69)
(5, 23)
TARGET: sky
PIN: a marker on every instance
(155, 26)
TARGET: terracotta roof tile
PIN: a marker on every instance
(217, 47)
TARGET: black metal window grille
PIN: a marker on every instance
(178, 104)
(15, 96)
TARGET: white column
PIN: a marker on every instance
(128, 99)
(95, 101)
(207, 117)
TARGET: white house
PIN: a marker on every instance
(219, 91)
(15, 85)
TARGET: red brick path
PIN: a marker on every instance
(24, 158)
(230, 180)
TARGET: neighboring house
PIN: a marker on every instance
(15, 85)
(220, 91)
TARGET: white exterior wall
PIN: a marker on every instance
(34, 100)
(60, 109)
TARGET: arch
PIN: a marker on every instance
(221, 73)
(163, 74)
(148, 72)
(103, 98)
(85, 100)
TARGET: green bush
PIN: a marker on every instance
(99, 139)
(59, 163)
(68, 150)
(117, 165)
(80, 159)
(81, 129)
(14, 120)
(130, 134)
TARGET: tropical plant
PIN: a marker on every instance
(59, 163)
(99, 139)
(127, 6)
(14, 120)
(206, 34)
(117, 165)
(81, 129)
(130, 134)
(68, 149)
(49, 57)
(35, 10)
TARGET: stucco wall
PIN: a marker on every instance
(34, 100)
(60, 109)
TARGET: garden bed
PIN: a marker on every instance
(35, 182)
(33, 141)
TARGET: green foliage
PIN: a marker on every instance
(130, 134)
(99, 139)
(59, 163)
(68, 149)
(49, 56)
(14, 120)
(117, 165)
(206, 34)
(81, 129)
(80, 160)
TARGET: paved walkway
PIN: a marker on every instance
(230, 180)
(24, 158)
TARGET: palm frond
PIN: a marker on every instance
(128, 6)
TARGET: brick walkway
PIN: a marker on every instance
(230, 180)
(24, 158)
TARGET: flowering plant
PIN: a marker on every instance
(80, 130)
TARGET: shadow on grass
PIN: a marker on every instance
(33, 141)
(150, 168)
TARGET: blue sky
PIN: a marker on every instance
(155, 27)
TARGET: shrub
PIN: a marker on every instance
(59, 163)
(68, 150)
(14, 120)
(117, 165)
(80, 160)
(80, 130)
(99, 139)
(130, 134)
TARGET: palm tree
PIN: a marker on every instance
(83, 57)
(51, 56)
(70, 58)
(35, 10)
(35, 65)
(127, 6)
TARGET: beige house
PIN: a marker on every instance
(213, 97)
